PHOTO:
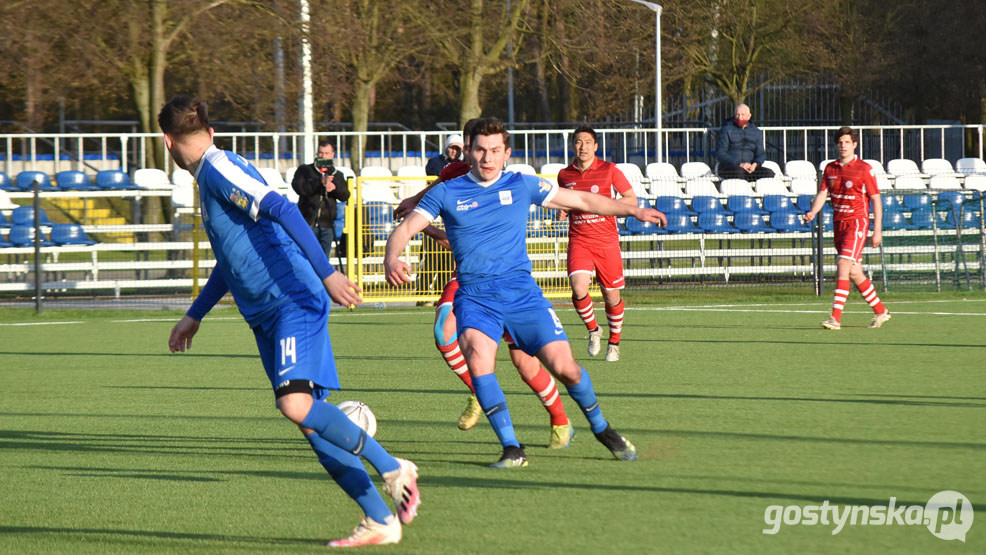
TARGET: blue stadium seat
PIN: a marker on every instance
(804, 203)
(743, 204)
(339, 224)
(72, 180)
(891, 204)
(750, 222)
(787, 221)
(893, 221)
(544, 224)
(24, 215)
(777, 203)
(949, 200)
(4, 243)
(970, 219)
(916, 202)
(637, 227)
(70, 234)
(3, 221)
(921, 218)
(946, 219)
(680, 222)
(23, 236)
(378, 219)
(828, 218)
(715, 222)
(26, 180)
(672, 205)
(114, 180)
(5, 183)
(705, 204)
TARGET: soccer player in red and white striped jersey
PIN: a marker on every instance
(851, 183)
(593, 240)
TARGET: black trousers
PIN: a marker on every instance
(732, 171)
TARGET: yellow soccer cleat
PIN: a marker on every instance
(470, 415)
(561, 436)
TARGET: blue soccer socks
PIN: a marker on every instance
(494, 404)
(333, 424)
(585, 396)
(347, 470)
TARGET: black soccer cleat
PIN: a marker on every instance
(512, 457)
(620, 446)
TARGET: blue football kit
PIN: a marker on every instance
(487, 230)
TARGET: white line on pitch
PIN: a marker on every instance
(37, 323)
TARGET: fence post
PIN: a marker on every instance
(819, 270)
(37, 245)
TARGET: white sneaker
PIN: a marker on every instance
(594, 341)
(371, 532)
(612, 352)
(832, 324)
(879, 319)
(402, 486)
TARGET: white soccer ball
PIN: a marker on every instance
(359, 413)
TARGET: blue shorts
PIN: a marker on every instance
(294, 345)
(515, 305)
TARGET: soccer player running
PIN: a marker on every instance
(852, 185)
(593, 240)
(447, 342)
(485, 214)
(281, 280)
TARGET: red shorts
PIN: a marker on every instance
(850, 238)
(606, 261)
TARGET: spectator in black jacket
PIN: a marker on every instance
(740, 148)
(452, 153)
(320, 186)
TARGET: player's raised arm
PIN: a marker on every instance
(567, 199)
(396, 271)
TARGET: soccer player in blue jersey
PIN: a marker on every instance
(281, 280)
(485, 214)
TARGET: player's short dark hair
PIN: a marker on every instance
(489, 126)
(846, 130)
(325, 143)
(584, 128)
(184, 115)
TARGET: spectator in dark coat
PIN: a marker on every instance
(740, 148)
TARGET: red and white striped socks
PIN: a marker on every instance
(868, 292)
(614, 315)
(865, 288)
(544, 385)
(839, 302)
(457, 362)
(584, 307)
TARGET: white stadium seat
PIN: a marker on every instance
(944, 182)
(633, 175)
(776, 168)
(883, 182)
(800, 168)
(938, 166)
(662, 171)
(732, 187)
(152, 178)
(411, 171)
(347, 172)
(903, 166)
(375, 171)
(183, 196)
(699, 186)
(552, 168)
(909, 182)
(418, 180)
(770, 186)
(272, 177)
(975, 182)
(521, 168)
(823, 163)
(695, 169)
(803, 186)
(289, 174)
(968, 166)
(876, 165)
(182, 178)
(665, 189)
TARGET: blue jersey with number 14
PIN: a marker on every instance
(487, 224)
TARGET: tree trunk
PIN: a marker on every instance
(469, 81)
(361, 116)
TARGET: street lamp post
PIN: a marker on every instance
(657, 73)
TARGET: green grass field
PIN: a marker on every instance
(110, 444)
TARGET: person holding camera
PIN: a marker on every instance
(320, 186)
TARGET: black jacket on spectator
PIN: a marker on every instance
(740, 145)
(317, 205)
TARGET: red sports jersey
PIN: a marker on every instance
(453, 170)
(850, 187)
(603, 178)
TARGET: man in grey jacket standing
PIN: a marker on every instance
(740, 148)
